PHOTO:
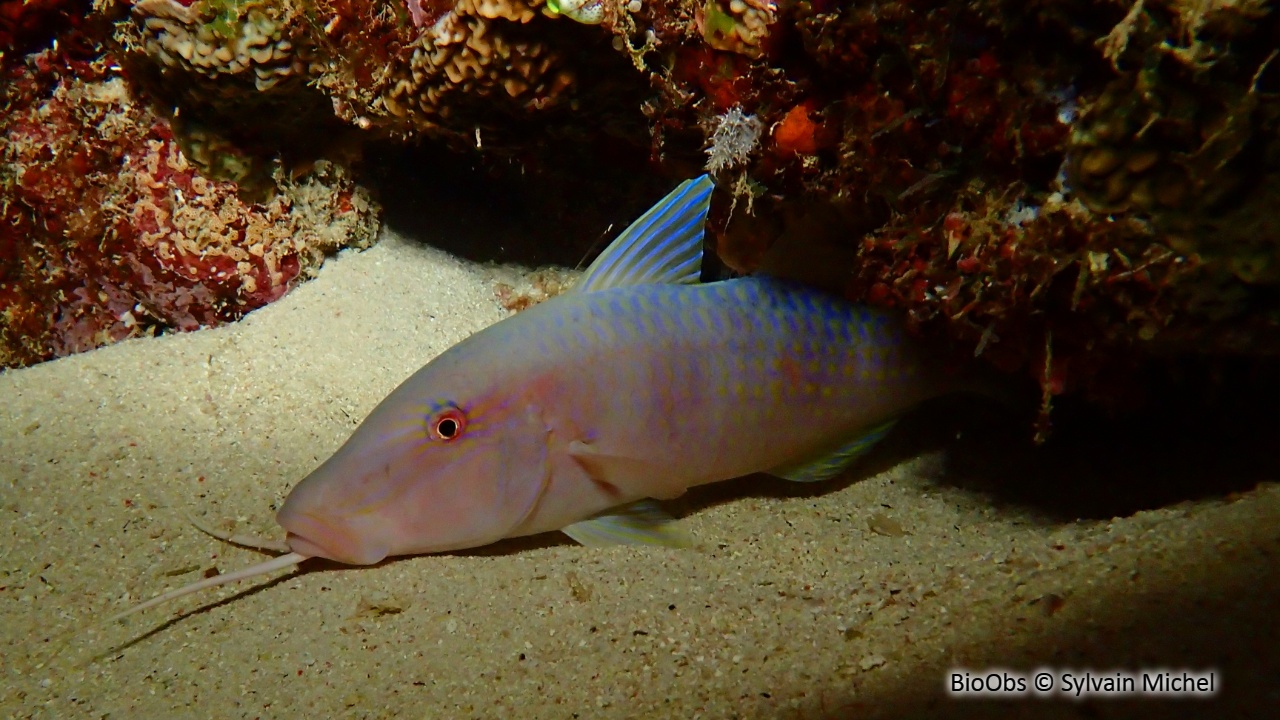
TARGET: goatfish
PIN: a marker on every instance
(579, 413)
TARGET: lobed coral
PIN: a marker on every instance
(110, 232)
(479, 52)
(509, 78)
(256, 43)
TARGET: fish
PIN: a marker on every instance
(580, 413)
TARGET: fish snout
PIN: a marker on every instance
(331, 538)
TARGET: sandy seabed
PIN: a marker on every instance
(846, 601)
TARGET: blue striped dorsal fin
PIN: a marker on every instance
(641, 522)
(831, 464)
(663, 246)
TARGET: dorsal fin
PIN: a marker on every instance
(663, 246)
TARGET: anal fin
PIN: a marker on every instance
(831, 464)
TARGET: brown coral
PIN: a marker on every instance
(479, 53)
(253, 43)
(234, 77)
(737, 26)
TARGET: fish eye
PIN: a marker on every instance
(447, 428)
(447, 424)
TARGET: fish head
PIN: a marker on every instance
(449, 460)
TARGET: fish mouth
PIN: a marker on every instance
(303, 546)
(315, 536)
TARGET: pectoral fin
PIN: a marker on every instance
(639, 523)
(627, 475)
(831, 464)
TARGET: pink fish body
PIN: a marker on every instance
(575, 414)
(640, 384)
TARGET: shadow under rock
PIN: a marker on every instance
(1093, 466)
(447, 200)
(1100, 467)
(483, 212)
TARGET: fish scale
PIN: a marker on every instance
(769, 353)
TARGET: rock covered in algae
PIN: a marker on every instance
(1066, 190)
(423, 67)
(1188, 139)
(203, 104)
(110, 232)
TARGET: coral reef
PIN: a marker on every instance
(110, 232)
(1070, 190)
(1067, 192)
(503, 79)
(256, 44)
(519, 80)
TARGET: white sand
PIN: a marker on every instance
(796, 607)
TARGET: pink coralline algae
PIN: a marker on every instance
(109, 232)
